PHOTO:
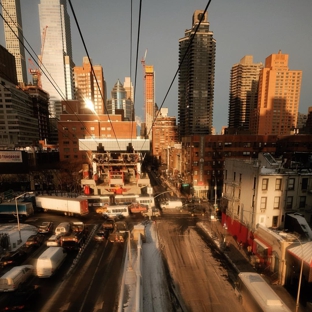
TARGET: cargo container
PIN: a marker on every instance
(8, 210)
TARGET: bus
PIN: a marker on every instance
(146, 200)
(117, 210)
(126, 199)
(255, 294)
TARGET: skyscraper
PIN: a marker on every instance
(129, 88)
(120, 101)
(90, 85)
(196, 77)
(14, 40)
(56, 56)
(243, 92)
(278, 97)
(149, 98)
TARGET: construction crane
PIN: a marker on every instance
(36, 72)
(143, 62)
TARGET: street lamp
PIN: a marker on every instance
(17, 216)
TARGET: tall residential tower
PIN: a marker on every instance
(243, 92)
(197, 52)
(90, 85)
(278, 97)
(57, 63)
(14, 39)
(149, 98)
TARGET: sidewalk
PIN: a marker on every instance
(239, 259)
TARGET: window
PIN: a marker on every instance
(289, 202)
(302, 201)
(265, 184)
(263, 203)
(275, 221)
(278, 184)
(291, 184)
(276, 204)
(304, 184)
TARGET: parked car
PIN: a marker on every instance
(23, 300)
(13, 258)
(54, 240)
(46, 228)
(35, 240)
(101, 235)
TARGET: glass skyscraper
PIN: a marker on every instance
(57, 65)
(196, 78)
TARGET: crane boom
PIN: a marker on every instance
(36, 72)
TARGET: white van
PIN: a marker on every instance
(49, 261)
(63, 228)
(172, 204)
(11, 280)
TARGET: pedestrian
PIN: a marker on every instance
(240, 245)
(249, 250)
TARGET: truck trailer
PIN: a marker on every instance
(68, 206)
(8, 210)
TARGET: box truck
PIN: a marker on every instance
(18, 275)
(8, 210)
(68, 206)
(49, 261)
(172, 204)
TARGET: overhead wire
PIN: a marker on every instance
(137, 51)
(92, 69)
(179, 67)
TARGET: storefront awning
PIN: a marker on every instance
(303, 252)
(261, 244)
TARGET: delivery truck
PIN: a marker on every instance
(8, 210)
(50, 261)
(68, 206)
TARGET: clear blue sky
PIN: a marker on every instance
(240, 27)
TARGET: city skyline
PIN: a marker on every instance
(240, 28)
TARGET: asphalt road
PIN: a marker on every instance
(199, 273)
(86, 282)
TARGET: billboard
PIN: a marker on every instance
(11, 157)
